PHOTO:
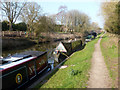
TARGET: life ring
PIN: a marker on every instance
(18, 78)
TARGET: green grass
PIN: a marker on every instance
(76, 74)
(109, 47)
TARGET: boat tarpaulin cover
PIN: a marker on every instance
(61, 47)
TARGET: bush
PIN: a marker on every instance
(5, 25)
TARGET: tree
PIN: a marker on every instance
(110, 11)
(77, 21)
(44, 24)
(30, 14)
(94, 26)
(12, 11)
(61, 14)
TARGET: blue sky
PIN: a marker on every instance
(91, 8)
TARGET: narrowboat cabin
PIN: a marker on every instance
(67, 48)
(18, 69)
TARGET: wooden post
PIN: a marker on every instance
(2, 33)
(20, 33)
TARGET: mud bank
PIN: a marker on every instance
(53, 37)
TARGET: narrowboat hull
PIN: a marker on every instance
(17, 75)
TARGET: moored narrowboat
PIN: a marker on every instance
(67, 48)
(18, 69)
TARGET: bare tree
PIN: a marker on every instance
(12, 11)
(94, 26)
(61, 14)
(77, 21)
(30, 14)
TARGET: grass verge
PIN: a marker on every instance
(76, 74)
(109, 47)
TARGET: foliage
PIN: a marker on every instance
(19, 26)
(74, 72)
(36, 22)
(5, 25)
(57, 28)
(110, 11)
(77, 43)
(14, 27)
(44, 24)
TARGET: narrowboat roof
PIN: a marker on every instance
(61, 47)
(27, 53)
(19, 58)
(23, 55)
(9, 64)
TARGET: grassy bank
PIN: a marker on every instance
(76, 74)
(109, 47)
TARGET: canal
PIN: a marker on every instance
(49, 47)
(38, 47)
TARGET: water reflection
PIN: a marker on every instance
(38, 47)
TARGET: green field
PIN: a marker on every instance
(109, 47)
(76, 74)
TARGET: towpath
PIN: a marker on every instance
(99, 76)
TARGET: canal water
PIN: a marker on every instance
(39, 47)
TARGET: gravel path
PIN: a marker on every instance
(99, 76)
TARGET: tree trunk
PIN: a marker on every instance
(10, 27)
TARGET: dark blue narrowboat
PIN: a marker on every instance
(18, 69)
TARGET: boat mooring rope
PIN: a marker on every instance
(65, 55)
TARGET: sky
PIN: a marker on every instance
(91, 8)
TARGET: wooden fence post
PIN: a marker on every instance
(2, 33)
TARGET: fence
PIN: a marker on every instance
(16, 34)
